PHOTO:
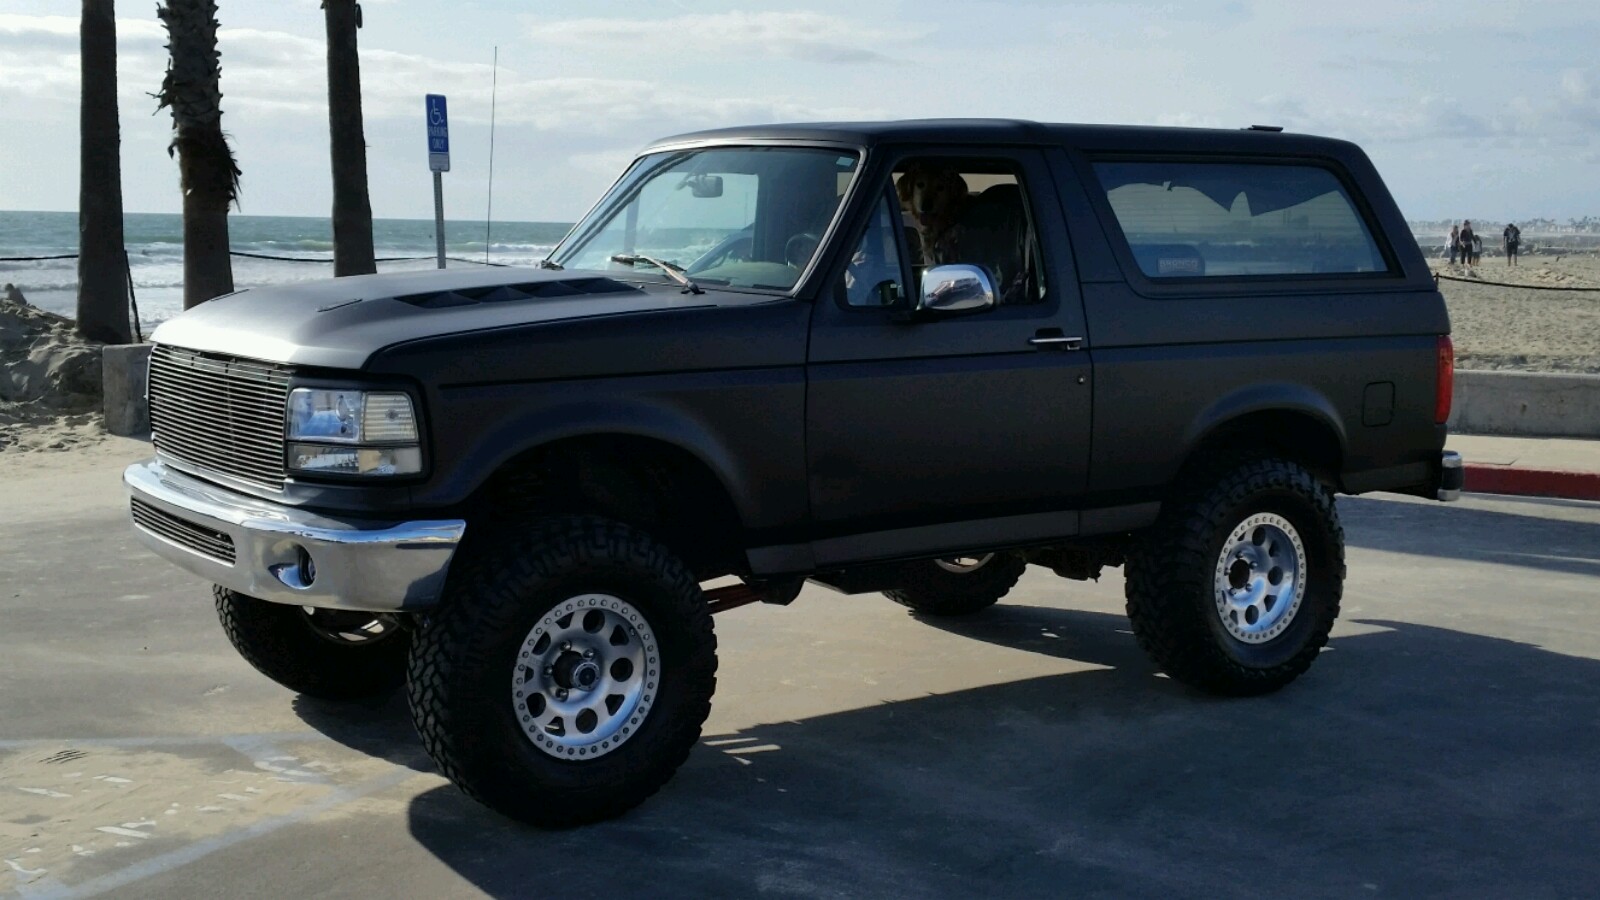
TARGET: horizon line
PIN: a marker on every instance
(327, 218)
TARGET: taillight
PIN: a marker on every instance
(1446, 381)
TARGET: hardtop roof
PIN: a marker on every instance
(1123, 138)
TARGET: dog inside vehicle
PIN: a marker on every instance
(934, 197)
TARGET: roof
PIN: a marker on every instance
(1015, 132)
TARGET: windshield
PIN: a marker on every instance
(742, 217)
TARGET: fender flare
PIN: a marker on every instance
(1274, 397)
(630, 417)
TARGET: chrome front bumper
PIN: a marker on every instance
(287, 555)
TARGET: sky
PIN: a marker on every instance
(1486, 109)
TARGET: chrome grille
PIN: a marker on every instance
(219, 413)
(202, 540)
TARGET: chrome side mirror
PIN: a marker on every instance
(955, 288)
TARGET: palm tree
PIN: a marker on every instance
(210, 177)
(352, 210)
(102, 274)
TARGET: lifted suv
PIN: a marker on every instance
(907, 357)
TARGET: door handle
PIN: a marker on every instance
(1053, 338)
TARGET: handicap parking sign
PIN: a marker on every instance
(438, 134)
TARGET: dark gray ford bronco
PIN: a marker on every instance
(908, 357)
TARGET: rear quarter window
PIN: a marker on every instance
(1187, 219)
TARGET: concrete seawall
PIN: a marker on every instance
(123, 369)
(1526, 403)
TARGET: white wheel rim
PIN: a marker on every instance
(585, 677)
(1260, 579)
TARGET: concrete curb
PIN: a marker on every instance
(1528, 404)
(1525, 482)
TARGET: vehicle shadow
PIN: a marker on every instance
(1467, 533)
(378, 726)
(1412, 760)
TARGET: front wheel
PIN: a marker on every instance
(566, 674)
(1235, 589)
(325, 653)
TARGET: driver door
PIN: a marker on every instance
(967, 419)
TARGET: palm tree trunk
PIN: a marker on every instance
(352, 210)
(207, 267)
(192, 89)
(102, 275)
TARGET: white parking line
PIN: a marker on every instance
(167, 862)
(170, 741)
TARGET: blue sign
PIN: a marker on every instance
(438, 134)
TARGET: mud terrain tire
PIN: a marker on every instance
(943, 588)
(1200, 590)
(480, 650)
(286, 644)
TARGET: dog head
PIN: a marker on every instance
(932, 193)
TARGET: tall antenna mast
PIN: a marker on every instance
(488, 212)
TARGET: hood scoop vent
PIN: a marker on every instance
(507, 293)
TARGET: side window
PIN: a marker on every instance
(1221, 220)
(872, 277)
(972, 211)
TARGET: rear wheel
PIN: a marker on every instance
(566, 674)
(957, 585)
(326, 653)
(1236, 588)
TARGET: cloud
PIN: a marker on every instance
(1562, 113)
(602, 163)
(1365, 62)
(267, 73)
(1189, 120)
(805, 36)
(1579, 96)
(39, 59)
(20, 31)
(1576, 87)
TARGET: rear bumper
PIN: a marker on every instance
(287, 555)
(1452, 475)
(1435, 480)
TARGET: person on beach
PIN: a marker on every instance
(1512, 239)
(1466, 237)
(1455, 241)
(1477, 248)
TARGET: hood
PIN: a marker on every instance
(340, 323)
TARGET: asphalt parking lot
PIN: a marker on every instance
(1445, 744)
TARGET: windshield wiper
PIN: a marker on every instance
(673, 270)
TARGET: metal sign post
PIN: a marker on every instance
(439, 162)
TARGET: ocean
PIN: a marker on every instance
(155, 252)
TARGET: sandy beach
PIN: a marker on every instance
(49, 380)
(1525, 329)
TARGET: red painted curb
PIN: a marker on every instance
(1483, 479)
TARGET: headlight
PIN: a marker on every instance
(348, 432)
